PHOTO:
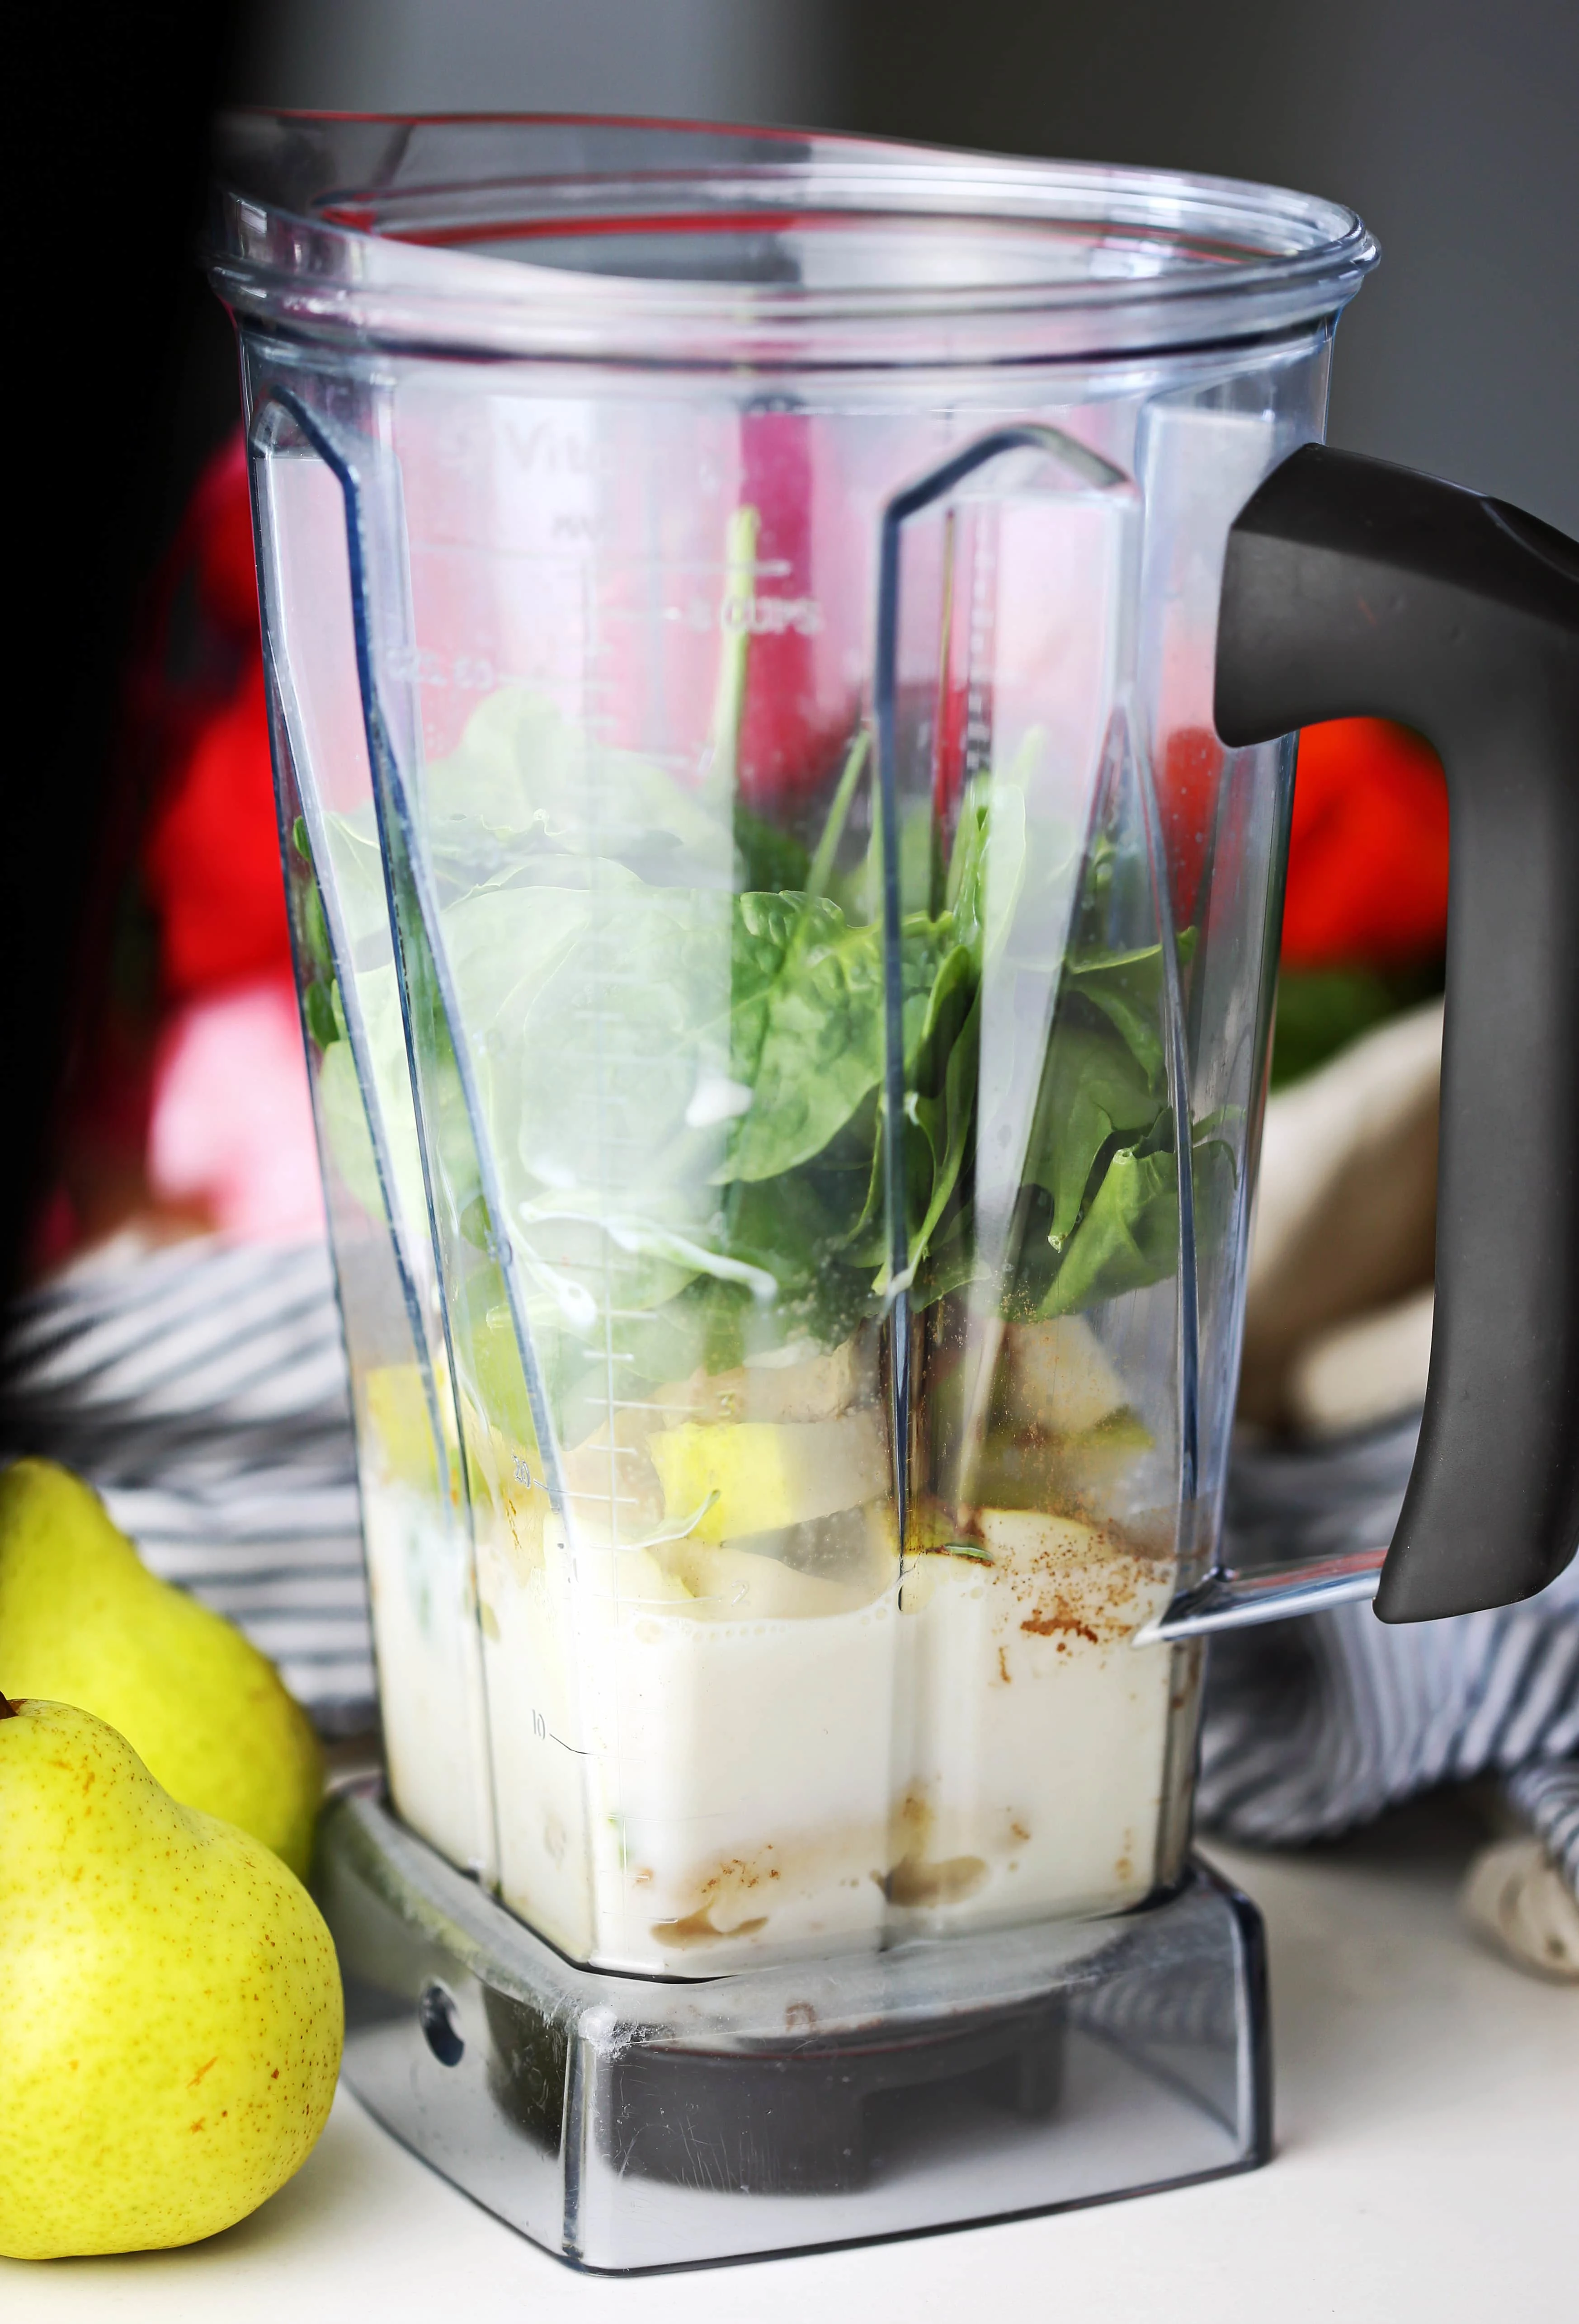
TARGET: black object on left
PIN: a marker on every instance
(106, 109)
(1350, 588)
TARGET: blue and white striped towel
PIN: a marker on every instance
(203, 1390)
(1318, 1725)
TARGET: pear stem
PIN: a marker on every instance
(8, 1710)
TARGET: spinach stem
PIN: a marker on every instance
(740, 556)
(833, 830)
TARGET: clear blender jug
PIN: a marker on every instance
(783, 773)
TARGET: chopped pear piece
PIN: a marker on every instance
(815, 1387)
(753, 1476)
(1059, 1376)
(738, 1585)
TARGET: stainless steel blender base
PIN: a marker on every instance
(627, 2123)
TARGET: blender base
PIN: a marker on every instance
(620, 2121)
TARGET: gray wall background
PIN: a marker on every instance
(1452, 125)
(716, 59)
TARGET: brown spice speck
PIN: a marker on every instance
(1045, 1626)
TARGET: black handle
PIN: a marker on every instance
(1354, 588)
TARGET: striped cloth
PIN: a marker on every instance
(203, 1390)
(1318, 1725)
(1547, 1795)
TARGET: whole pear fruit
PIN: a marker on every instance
(172, 2013)
(82, 1620)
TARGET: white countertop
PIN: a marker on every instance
(1428, 2168)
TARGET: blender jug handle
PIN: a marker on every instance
(1353, 588)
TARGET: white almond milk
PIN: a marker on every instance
(1037, 1730)
(681, 1793)
(424, 1631)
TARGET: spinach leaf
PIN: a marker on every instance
(821, 1018)
(683, 1084)
(762, 930)
(1129, 1235)
(319, 1007)
(821, 1043)
(1128, 1238)
(1094, 1090)
(708, 1322)
(866, 1244)
(770, 858)
(1102, 1123)
(953, 1036)
(343, 1115)
(988, 867)
(949, 1261)
(1126, 989)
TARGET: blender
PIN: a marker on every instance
(783, 657)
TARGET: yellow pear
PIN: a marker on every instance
(172, 2015)
(82, 1620)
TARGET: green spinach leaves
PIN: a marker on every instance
(681, 1074)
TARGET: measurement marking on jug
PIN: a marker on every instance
(760, 617)
(543, 1733)
(425, 666)
(771, 617)
(572, 560)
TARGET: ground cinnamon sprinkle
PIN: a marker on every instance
(1043, 1626)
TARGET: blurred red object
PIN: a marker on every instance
(211, 856)
(1367, 849)
(218, 528)
(1368, 842)
(1191, 771)
(188, 1106)
(795, 723)
(231, 1136)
